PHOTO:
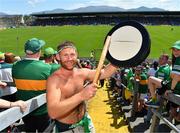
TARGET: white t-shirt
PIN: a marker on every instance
(6, 75)
(151, 72)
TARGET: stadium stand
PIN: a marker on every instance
(93, 18)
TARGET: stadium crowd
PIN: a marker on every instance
(154, 80)
(99, 20)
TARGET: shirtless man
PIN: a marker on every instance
(66, 94)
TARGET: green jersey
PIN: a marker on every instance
(30, 78)
(163, 72)
(130, 75)
(54, 67)
(176, 69)
(143, 87)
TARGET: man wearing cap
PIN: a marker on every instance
(49, 55)
(49, 58)
(175, 74)
(174, 84)
(30, 75)
(66, 93)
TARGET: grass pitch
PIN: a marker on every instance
(86, 38)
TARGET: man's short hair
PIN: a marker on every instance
(33, 46)
(65, 44)
(166, 56)
(9, 57)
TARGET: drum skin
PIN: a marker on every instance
(131, 44)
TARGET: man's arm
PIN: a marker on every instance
(8, 104)
(108, 71)
(58, 108)
(105, 72)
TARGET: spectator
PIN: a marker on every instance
(153, 69)
(118, 86)
(87, 65)
(30, 75)
(49, 58)
(142, 90)
(66, 95)
(174, 85)
(8, 92)
(154, 83)
(9, 57)
(49, 55)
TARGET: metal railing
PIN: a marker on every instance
(157, 113)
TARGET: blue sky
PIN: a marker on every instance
(29, 6)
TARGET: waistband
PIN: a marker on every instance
(84, 122)
(62, 127)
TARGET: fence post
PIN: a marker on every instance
(135, 97)
(155, 118)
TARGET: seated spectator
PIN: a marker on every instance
(129, 75)
(153, 69)
(8, 92)
(143, 88)
(155, 83)
(174, 85)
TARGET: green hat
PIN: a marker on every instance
(176, 45)
(33, 45)
(49, 52)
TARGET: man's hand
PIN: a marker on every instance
(89, 91)
(168, 91)
(20, 104)
(3, 84)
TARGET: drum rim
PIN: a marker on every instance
(143, 52)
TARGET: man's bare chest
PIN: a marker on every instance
(71, 86)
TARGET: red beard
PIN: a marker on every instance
(67, 66)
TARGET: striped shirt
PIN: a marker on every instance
(30, 78)
(163, 72)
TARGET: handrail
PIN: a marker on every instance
(166, 121)
(173, 98)
(13, 114)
